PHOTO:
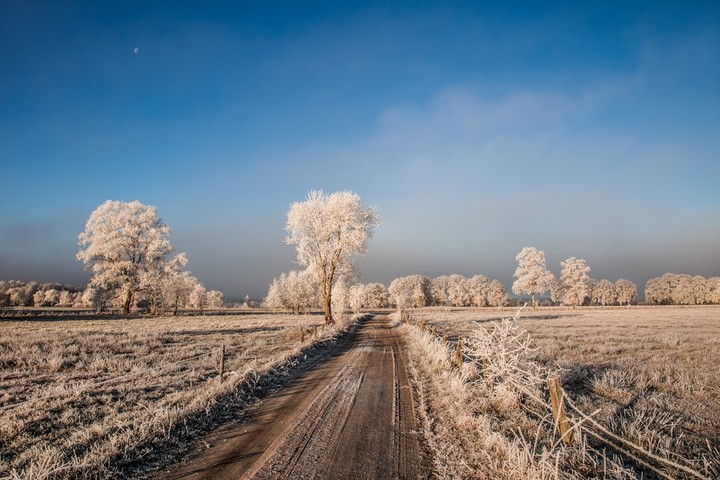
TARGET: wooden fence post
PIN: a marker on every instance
(222, 362)
(459, 353)
(558, 410)
(301, 334)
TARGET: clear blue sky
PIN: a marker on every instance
(587, 129)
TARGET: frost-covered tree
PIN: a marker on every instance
(328, 231)
(683, 292)
(413, 291)
(604, 293)
(177, 288)
(574, 281)
(356, 297)
(478, 287)
(700, 288)
(457, 294)
(92, 298)
(626, 291)
(439, 290)
(713, 290)
(39, 298)
(532, 276)
(215, 299)
(497, 295)
(65, 298)
(198, 297)
(121, 244)
(375, 296)
(295, 290)
(341, 297)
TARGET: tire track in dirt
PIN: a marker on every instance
(352, 416)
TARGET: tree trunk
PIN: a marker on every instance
(327, 307)
(128, 301)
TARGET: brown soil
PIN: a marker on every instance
(351, 417)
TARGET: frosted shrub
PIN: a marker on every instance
(503, 355)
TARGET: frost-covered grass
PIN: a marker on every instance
(89, 399)
(648, 375)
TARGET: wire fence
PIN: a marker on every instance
(568, 421)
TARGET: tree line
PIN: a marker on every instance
(126, 246)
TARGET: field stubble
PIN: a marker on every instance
(93, 399)
(647, 375)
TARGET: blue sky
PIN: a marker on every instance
(476, 128)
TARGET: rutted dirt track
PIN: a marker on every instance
(351, 417)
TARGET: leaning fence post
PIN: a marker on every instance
(558, 410)
(222, 362)
(459, 353)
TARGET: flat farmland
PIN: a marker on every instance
(647, 375)
(95, 398)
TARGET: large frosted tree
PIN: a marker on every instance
(124, 245)
(328, 231)
(532, 276)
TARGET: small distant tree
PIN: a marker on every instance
(295, 290)
(65, 298)
(532, 276)
(700, 289)
(626, 291)
(497, 295)
(39, 299)
(341, 297)
(375, 296)
(713, 290)
(215, 299)
(457, 291)
(198, 298)
(478, 288)
(574, 281)
(356, 297)
(683, 292)
(328, 231)
(177, 288)
(439, 290)
(413, 291)
(604, 293)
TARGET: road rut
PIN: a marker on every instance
(352, 416)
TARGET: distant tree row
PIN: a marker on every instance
(14, 293)
(187, 292)
(574, 287)
(446, 290)
(680, 289)
(299, 291)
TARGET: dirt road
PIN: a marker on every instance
(350, 417)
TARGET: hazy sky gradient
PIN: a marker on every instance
(476, 128)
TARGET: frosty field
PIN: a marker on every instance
(647, 375)
(88, 398)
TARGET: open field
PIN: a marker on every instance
(648, 375)
(93, 398)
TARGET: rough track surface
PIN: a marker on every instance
(350, 417)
